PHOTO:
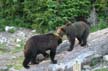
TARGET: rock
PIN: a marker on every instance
(21, 34)
(3, 40)
(18, 40)
(105, 57)
(33, 31)
(93, 20)
(63, 46)
(8, 28)
(57, 67)
(3, 68)
(40, 57)
(14, 57)
(18, 45)
(86, 68)
(13, 69)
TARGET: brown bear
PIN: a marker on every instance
(79, 30)
(38, 44)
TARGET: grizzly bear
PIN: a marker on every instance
(79, 30)
(39, 44)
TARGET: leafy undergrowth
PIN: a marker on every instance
(17, 56)
(3, 49)
(96, 61)
(16, 63)
(101, 25)
(103, 69)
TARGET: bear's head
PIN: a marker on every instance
(60, 31)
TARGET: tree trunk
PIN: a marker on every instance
(93, 20)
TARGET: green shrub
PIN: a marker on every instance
(103, 69)
(11, 31)
(96, 61)
(101, 25)
(45, 14)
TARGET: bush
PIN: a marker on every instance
(101, 25)
(103, 69)
(45, 14)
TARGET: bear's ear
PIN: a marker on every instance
(62, 29)
(68, 24)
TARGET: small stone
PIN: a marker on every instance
(7, 28)
(57, 67)
(33, 31)
(3, 40)
(13, 57)
(18, 45)
(21, 34)
(17, 40)
(12, 69)
(105, 58)
(87, 68)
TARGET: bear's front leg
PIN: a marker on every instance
(72, 42)
(52, 55)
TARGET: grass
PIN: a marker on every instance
(95, 61)
(103, 69)
(16, 63)
(19, 48)
(11, 30)
(3, 48)
(101, 25)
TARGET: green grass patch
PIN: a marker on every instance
(3, 48)
(95, 61)
(11, 30)
(18, 48)
(101, 25)
(18, 63)
(103, 69)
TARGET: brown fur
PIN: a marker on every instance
(39, 44)
(79, 30)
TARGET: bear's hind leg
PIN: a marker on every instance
(26, 62)
(84, 38)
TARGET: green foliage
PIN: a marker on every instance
(101, 7)
(16, 63)
(103, 69)
(44, 15)
(19, 47)
(11, 30)
(2, 48)
(95, 61)
(101, 25)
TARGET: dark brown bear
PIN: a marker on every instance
(79, 30)
(38, 44)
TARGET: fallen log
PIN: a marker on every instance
(97, 45)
